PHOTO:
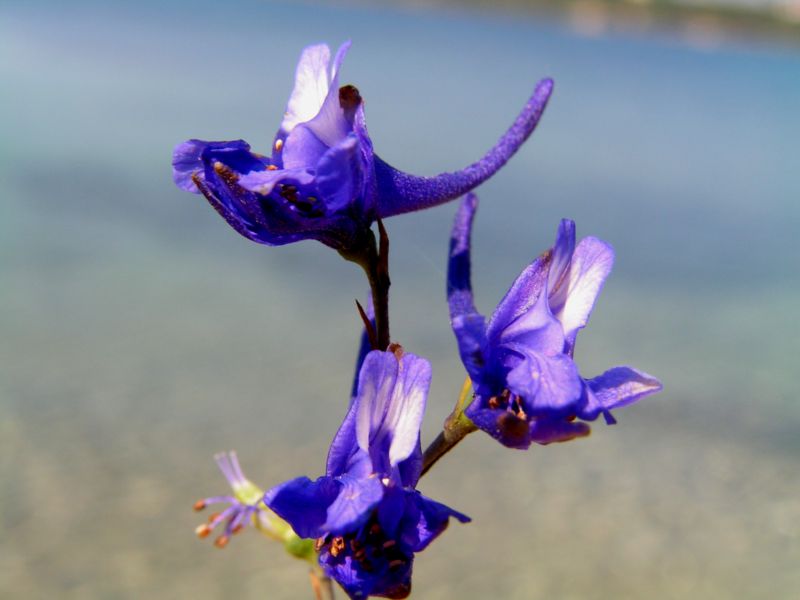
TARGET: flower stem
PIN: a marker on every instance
(373, 256)
(456, 427)
(321, 585)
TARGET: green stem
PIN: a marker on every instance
(456, 427)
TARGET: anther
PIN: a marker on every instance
(199, 505)
(272, 168)
(278, 145)
(375, 529)
(337, 545)
(226, 173)
(202, 531)
(221, 541)
(389, 543)
(395, 564)
(213, 516)
(237, 529)
(319, 543)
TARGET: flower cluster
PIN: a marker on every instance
(363, 521)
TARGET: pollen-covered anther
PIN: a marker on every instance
(237, 529)
(226, 173)
(221, 541)
(199, 505)
(213, 517)
(319, 543)
(202, 531)
(337, 545)
(271, 168)
(278, 145)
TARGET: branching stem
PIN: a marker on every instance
(456, 427)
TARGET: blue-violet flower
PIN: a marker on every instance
(527, 387)
(322, 180)
(366, 514)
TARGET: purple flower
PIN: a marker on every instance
(527, 387)
(322, 180)
(244, 507)
(366, 514)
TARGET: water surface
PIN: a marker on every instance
(139, 334)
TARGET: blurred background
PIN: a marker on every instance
(139, 334)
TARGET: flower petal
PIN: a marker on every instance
(547, 431)
(616, 388)
(425, 520)
(343, 447)
(505, 427)
(231, 215)
(533, 326)
(338, 174)
(190, 159)
(361, 580)
(304, 503)
(561, 257)
(468, 324)
(310, 86)
(591, 263)
(186, 163)
(526, 290)
(547, 384)
(330, 124)
(352, 507)
(390, 404)
(263, 182)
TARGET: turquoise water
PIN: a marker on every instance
(139, 334)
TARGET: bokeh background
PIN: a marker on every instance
(139, 334)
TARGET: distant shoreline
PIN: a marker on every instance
(698, 24)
